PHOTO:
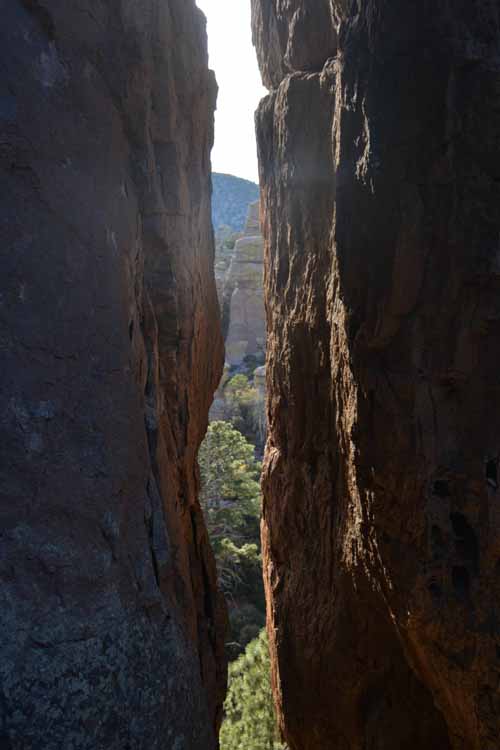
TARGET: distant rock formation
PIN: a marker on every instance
(225, 243)
(246, 326)
(259, 380)
(239, 272)
(219, 409)
(230, 200)
(111, 625)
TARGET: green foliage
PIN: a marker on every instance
(250, 722)
(246, 621)
(240, 390)
(245, 409)
(225, 240)
(240, 574)
(231, 242)
(236, 564)
(230, 498)
(251, 362)
(230, 492)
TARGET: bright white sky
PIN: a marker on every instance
(232, 56)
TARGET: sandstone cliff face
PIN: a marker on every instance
(379, 178)
(111, 627)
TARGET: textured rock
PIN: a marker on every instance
(219, 408)
(259, 378)
(292, 35)
(252, 224)
(379, 181)
(111, 628)
(239, 275)
(246, 329)
(225, 243)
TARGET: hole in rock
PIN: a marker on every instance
(441, 488)
(466, 544)
(437, 541)
(435, 590)
(492, 472)
(131, 330)
(461, 581)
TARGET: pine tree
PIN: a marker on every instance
(250, 722)
(230, 491)
(230, 498)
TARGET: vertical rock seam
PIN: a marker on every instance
(111, 625)
(379, 169)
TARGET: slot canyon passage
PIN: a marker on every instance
(379, 152)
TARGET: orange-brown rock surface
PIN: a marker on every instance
(111, 627)
(380, 165)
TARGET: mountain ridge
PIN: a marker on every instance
(231, 197)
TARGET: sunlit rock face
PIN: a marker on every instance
(293, 35)
(379, 172)
(111, 627)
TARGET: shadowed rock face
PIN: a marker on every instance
(380, 189)
(111, 627)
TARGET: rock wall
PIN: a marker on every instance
(111, 627)
(379, 167)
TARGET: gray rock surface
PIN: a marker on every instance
(111, 627)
